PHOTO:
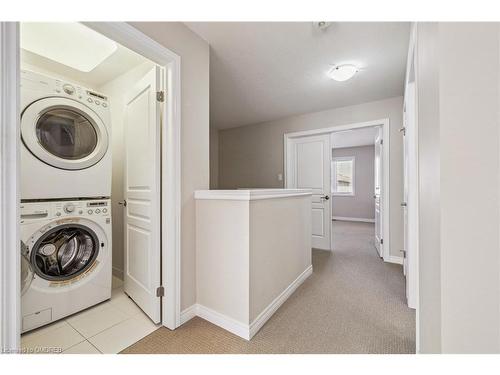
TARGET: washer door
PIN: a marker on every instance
(26, 270)
(64, 252)
(64, 133)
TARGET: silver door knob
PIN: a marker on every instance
(403, 204)
(123, 203)
(325, 197)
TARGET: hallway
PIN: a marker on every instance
(353, 303)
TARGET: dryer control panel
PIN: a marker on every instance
(32, 80)
(58, 209)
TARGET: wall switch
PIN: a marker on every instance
(280, 177)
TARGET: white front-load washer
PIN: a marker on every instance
(65, 258)
(66, 140)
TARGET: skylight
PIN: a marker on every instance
(71, 44)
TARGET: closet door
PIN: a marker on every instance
(142, 194)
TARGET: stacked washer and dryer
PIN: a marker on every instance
(65, 199)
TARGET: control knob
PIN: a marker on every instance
(69, 208)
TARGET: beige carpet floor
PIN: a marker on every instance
(352, 303)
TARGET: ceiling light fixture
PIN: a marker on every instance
(71, 44)
(343, 72)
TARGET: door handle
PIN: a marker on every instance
(325, 197)
(404, 253)
(123, 203)
(403, 204)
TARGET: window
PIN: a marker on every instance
(343, 175)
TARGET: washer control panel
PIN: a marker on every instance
(60, 209)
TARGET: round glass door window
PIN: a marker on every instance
(66, 134)
(64, 252)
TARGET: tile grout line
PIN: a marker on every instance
(95, 347)
(133, 317)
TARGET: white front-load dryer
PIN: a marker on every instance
(66, 144)
(65, 258)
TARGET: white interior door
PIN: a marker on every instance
(377, 195)
(142, 194)
(410, 204)
(308, 167)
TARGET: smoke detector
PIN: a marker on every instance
(322, 25)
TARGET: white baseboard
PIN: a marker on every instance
(229, 324)
(245, 331)
(224, 321)
(278, 301)
(394, 259)
(118, 272)
(188, 314)
(343, 218)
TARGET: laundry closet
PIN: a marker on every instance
(90, 190)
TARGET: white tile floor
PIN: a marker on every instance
(108, 327)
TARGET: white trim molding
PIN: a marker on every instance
(360, 219)
(250, 194)
(229, 324)
(245, 331)
(135, 40)
(394, 259)
(266, 314)
(10, 288)
(189, 313)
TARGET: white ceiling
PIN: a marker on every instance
(121, 61)
(354, 138)
(262, 71)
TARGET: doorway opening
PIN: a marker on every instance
(101, 138)
(357, 180)
(309, 164)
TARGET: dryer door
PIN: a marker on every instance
(64, 133)
(64, 252)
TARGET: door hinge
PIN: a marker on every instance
(160, 291)
(160, 96)
(381, 241)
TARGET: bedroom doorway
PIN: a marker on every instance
(309, 164)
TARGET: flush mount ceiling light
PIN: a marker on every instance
(343, 72)
(71, 44)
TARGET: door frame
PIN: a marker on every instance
(413, 209)
(384, 123)
(132, 38)
(10, 261)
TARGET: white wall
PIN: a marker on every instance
(427, 68)
(116, 91)
(194, 53)
(469, 187)
(252, 156)
(460, 298)
(362, 204)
